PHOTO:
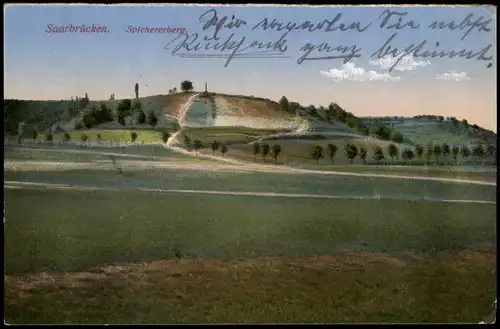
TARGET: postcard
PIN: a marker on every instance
(201, 164)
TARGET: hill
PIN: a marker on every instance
(45, 114)
(437, 129)
(239, 120)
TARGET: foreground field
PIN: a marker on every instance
(177, 238)
(73, 230)
(352, 287)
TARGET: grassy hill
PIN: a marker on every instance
(42, 114)
(242, 120)
(436, 129)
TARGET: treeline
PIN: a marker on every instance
(333, 113)
(101, 113)
(84, 137)
(432, 153)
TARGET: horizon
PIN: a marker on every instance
(100, 64)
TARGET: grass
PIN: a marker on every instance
(71, 230)
(225, 134)
(94, 153)
(405, 262)
(260, 182)
(108, 256)
(359, 288)
(298, 152)
(112, 135)
(445, 172)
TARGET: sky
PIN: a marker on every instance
(40, 64)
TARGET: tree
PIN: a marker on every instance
(351, 151)
(276, 150)
(136, 90)
(317, 153)
(419, 150)
(285, 105)
(223, 150)
(120, 118)
(256, 150)
(82, 102)
(197, 144)
(186, 86)
(408, 154)
(49, 137)
(490, 150)
(122, 110)
(20, 131)
(362, 155)
(455, 150)
(465, 123)
(104, 114)
(133, 136)
(446, 150)
(187, 141)
(437, 151)
(214, 146)
(265, 151)
(397, 137)
(34, 136)
(464, 152)
(99, 138)
(393, 151)
(378, 154)
(84, 138)
(152, 119)
(478, 151)
(332, 150)
(383, 132)
(66, 137)
(136, 105)
(141, 117)
(165, 136)
(430, 151)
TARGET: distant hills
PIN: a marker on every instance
(43, 115)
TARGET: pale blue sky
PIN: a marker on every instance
(39, 65)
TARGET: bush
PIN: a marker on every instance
(165, 136)
(78, 125)
(133, 136)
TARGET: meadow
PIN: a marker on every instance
(405, 262)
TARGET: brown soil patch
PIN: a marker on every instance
(188, 267)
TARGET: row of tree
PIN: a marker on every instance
(407, 154)
(198, 144)
(333, 113)
(85, 138)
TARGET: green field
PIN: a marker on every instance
(55, 235)
(64, 153)
(489, 174)
(113, 135)
(109, 256)
(229, 135)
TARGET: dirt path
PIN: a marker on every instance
(74, 187)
